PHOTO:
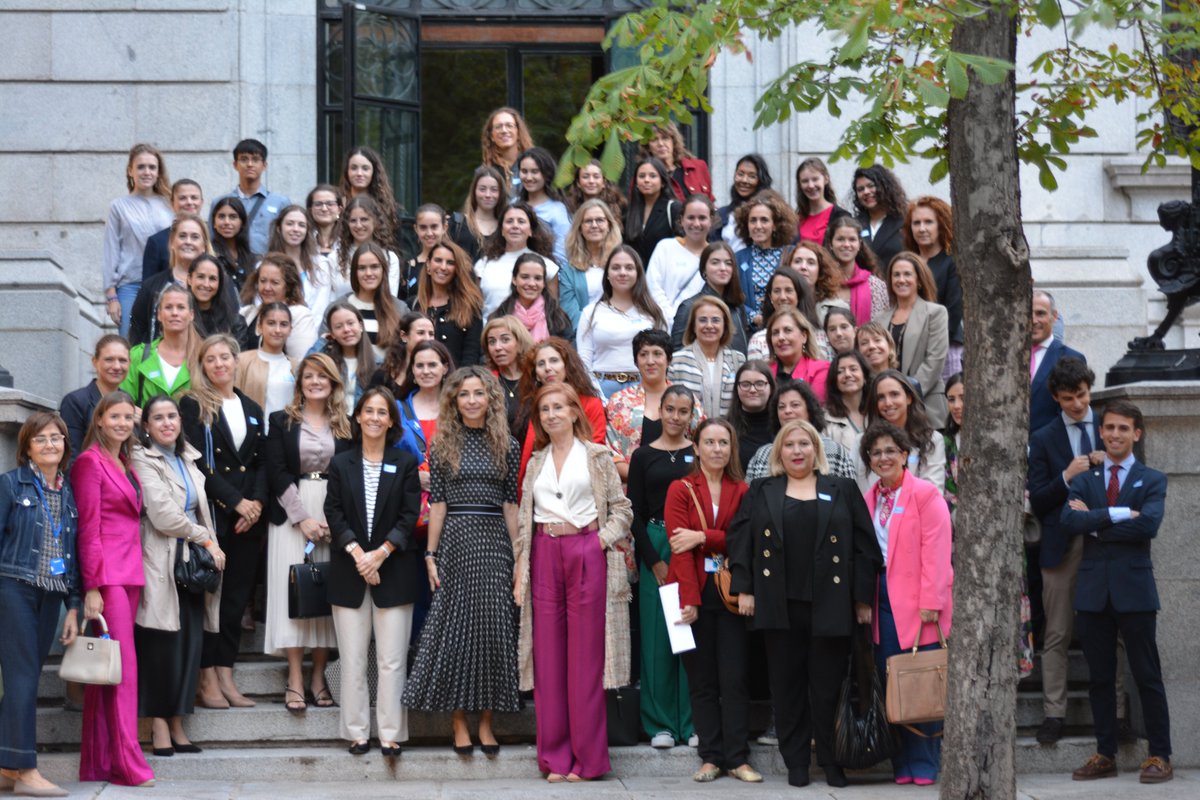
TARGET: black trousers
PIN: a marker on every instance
(716, 672)
(168, 687)
(806, 674)
(242, 554)
(1097, 633)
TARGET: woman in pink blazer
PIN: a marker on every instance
(108, 496)
(912, 525)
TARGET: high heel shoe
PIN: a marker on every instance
(163, 752)
(185, 748)
(490, 750)
(462, 749)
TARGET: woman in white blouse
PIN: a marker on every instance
(607, 326)
(674, 269)
(520, 231)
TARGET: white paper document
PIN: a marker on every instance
(681, 635)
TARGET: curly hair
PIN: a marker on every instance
(466, 301)
(293, 289)
(380, 187)
(540, 241)
(578, 255)
(941, 213)
(609, 193)
(679, 149)
(829, 277)
(335, 403)
(383, 235)
(490, 154)
(782, 217)
(575, 375)
(889, 193)
(818, 165)
(445, 452)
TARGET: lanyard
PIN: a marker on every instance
(187, 484)
(54, 529)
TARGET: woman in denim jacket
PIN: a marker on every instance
(38, 572)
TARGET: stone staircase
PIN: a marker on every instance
(268, 743)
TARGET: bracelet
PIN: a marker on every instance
(431, 554)
(113, 299)
(210, 544)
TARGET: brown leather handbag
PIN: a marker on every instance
(723, 577)
(916, 685)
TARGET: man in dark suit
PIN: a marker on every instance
(186, 197)
(1045, 351)
(1117, 508)
(1063, 449)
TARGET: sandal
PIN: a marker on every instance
(322, 699)
(294, 706)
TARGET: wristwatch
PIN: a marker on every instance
(350, 547)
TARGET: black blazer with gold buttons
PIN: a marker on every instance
(846, 557)
(235, 473)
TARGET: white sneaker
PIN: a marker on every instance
(662, 740)
(768, 736)
(693, 740)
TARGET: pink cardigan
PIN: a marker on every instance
(109, 540)
(919, 573)
(810, 370)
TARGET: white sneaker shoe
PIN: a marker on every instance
(662, 740)
(693, 740)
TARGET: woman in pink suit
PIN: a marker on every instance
(108, 496)
(912, 525)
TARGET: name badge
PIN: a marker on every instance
(823, 496)
(687, 459)
(273, 209)
(711, 565)
(1136, 485)
(389, 468)
(154, 374)
(57, 567)
(308, 548)
(252, 420)
(897, 510)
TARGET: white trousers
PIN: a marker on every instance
(392, 627)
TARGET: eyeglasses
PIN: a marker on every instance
(890, 452)
(596, 223)
(42, 441)
(753, 386)
(324, 204)
(504, 126)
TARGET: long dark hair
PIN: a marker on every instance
(835, 403)
(732, 294)
(642, 299)
(380, 187)
(610, 194)
(804, 295)
(221, 315)
(952, 427)
(635, 215)
(764, 179)
(546, 165)
(238, 263)
(383, 235)
(144, 434)
(383, 300)
(916, 422)
(540, 241)
(556, 318)
(888, 191)
(443, 354)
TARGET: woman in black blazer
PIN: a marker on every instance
(227, 427)
(880, 205)
(371, 505)
(653, 213)
(804, 557)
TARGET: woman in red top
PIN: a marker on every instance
(793, 344)
(699, 508)
(689, 175)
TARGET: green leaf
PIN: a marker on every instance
(856, 44)
(1049, 13)
(1046, 177)
(932, 94)
(956, 76)
(612, 160)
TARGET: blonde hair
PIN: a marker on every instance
(335, 404)
(689, 332)
(810, 342)
(162, 186)
(578, 254)
(203, 391)
(513, 326)
(775, 461)
(447, 447)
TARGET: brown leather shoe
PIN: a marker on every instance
(1097, 766)
(1156, 770)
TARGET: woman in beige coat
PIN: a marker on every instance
(571, 582)
(168, 634)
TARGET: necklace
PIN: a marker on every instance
(675, 452)
(510, 386)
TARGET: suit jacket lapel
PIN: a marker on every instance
(824, 508)
(913, 331)
(1128, 490)
(355, 479)
(120, 477)
(1043, 370)
(778, 488)
(386, 479)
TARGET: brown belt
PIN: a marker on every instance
(557, 529)
(619, 377)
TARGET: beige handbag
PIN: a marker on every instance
(916, 686)
(92, 659)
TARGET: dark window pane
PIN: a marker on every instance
(333, 62)
(335, 145)
(385, 58)
(555, 87)
(392, 132)
(460, 88)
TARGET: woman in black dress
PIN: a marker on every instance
(654, 212)
(466, 658)
(665, 709)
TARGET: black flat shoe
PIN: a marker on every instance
(185, 748)
(163, 752)
(389, 750)
(358, 748)
(834, 776)
(490, 750)
(462, 749)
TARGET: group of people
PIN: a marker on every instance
(503, 443)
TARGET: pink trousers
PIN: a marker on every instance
(569, 579)
(109, 750)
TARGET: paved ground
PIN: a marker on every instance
(1186, 786)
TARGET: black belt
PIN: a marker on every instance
(314, 476)
(474, 509)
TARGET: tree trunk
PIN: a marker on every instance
(992, 257)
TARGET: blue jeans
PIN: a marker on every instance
(31, 620)
(126, 294)
(919, 757)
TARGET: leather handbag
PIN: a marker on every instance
(92, 659)
(723, 577)
(862, 735)
(199, 573)
(623, 707)
(306, 589)
(916, 685)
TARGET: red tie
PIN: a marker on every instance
(1114, 485)
(887, 499)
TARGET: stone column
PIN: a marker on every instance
(1171, 445)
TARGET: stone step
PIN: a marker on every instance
(1077, 672)
(332, 763)
(270, 723)
(262, 677)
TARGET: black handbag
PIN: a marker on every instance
(862, 735)
(624, 706)
(199, 574)
(306, 589)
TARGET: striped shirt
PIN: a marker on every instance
(371, 470)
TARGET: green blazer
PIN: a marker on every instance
(146, 378)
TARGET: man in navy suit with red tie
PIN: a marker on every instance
(1117, 509)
